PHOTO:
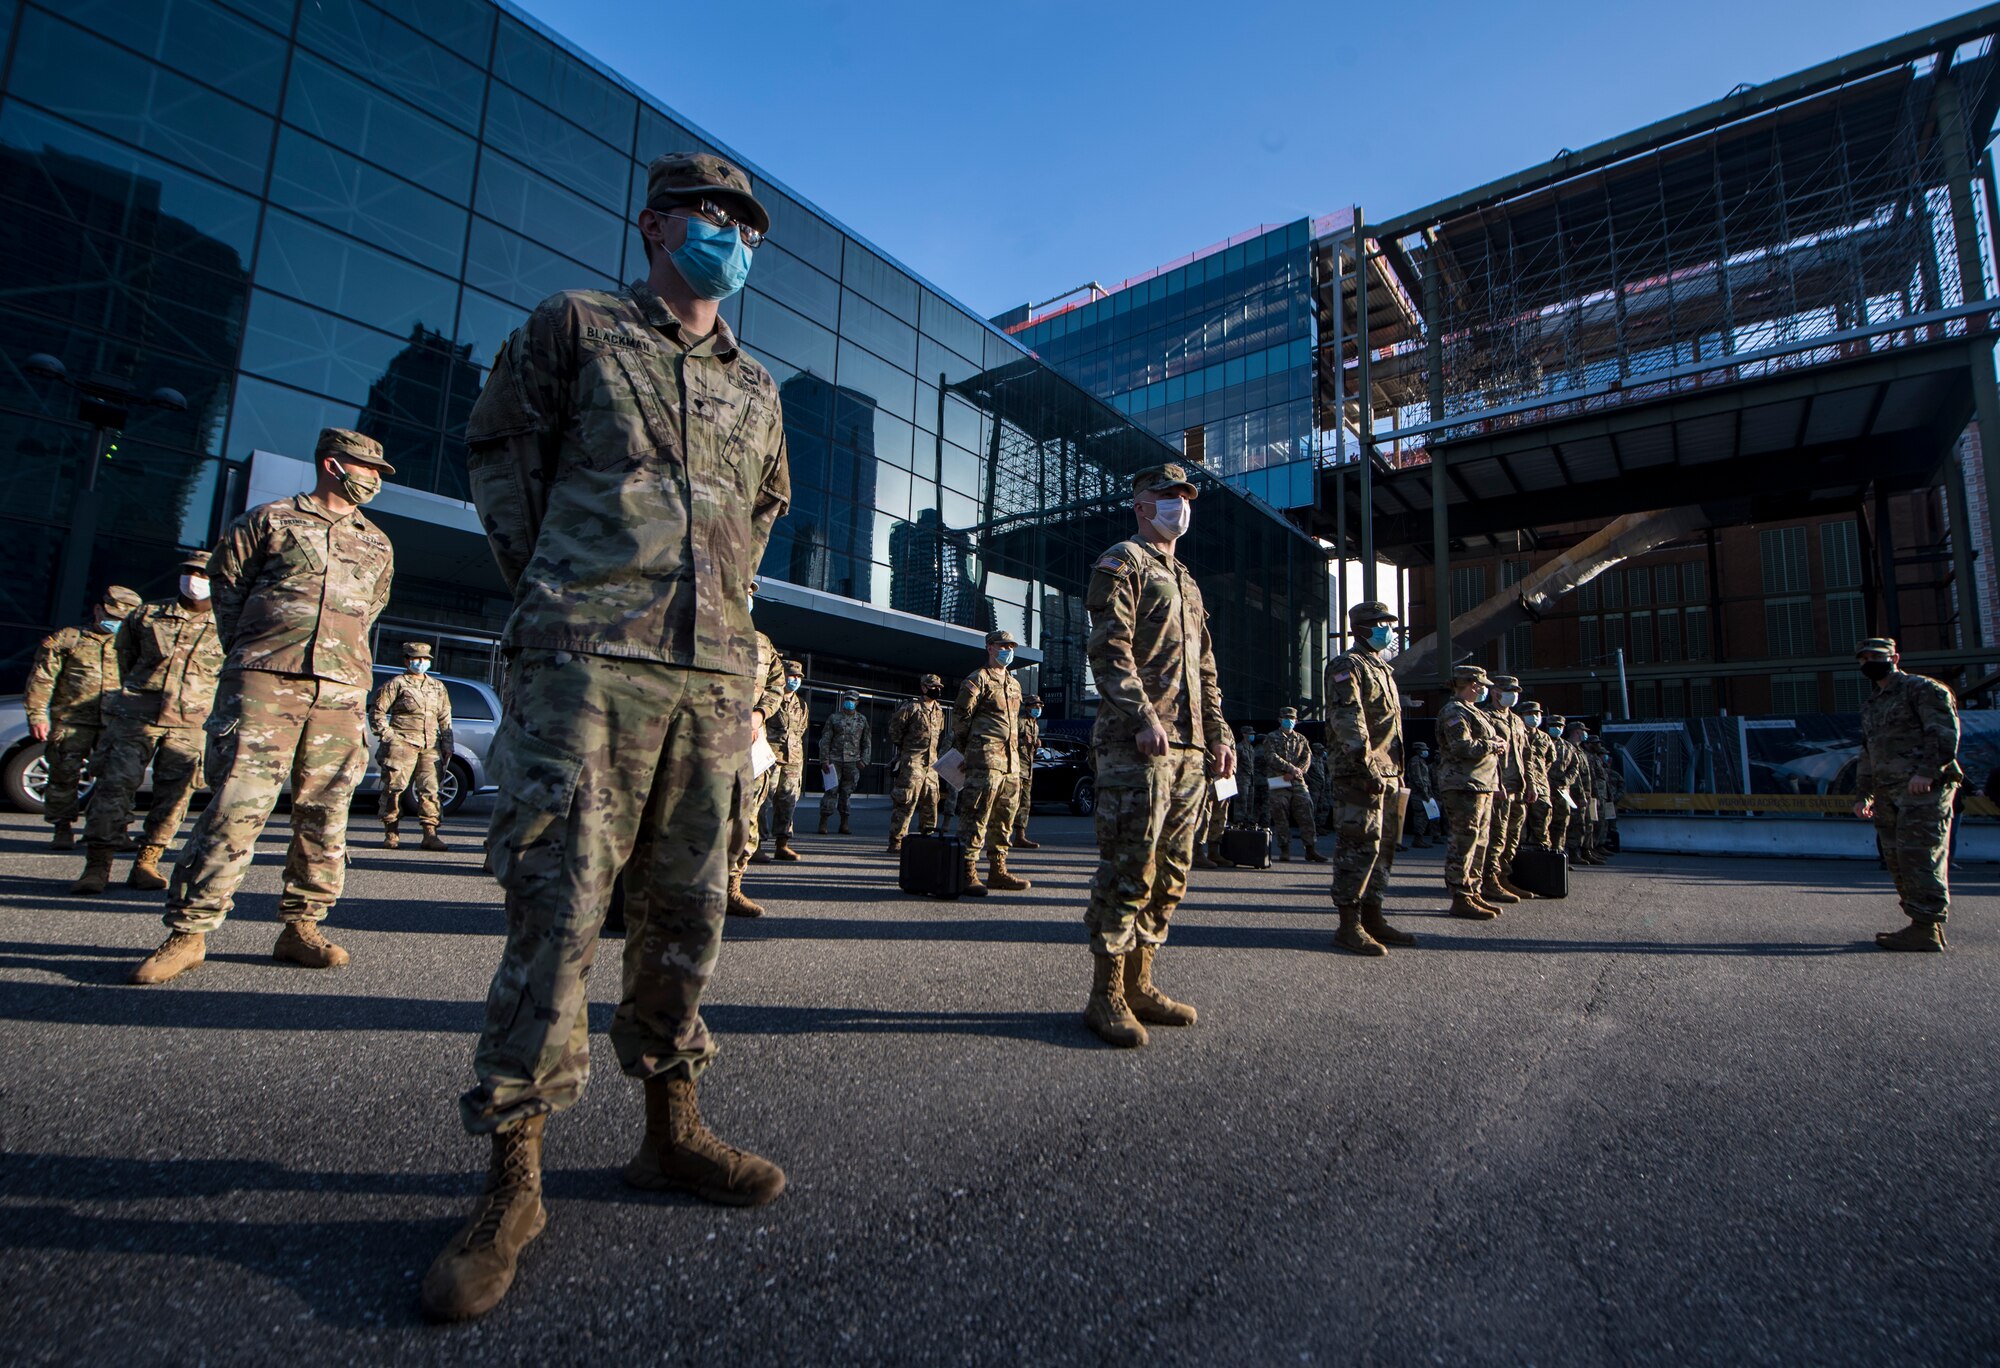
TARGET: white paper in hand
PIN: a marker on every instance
(951, 768)
(1569, 800)
(762, 757)
(1278, 783)
(1225, 789)
(1431, 809)
(829, 778)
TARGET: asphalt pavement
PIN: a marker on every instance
(1689, 1114)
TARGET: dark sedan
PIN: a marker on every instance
(1064, 774)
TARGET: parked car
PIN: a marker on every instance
(1064, 774)
(475, 715)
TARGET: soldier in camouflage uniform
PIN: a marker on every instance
(845, 744)
(1319, 786)
(74, 670)
(1583, 777)
(168, 660)
(744, 836)
(786, 732)
(1562, 783)
(1030, 741)
(1906, 778)
(986, 730)
(1417, 778)
(628, 461)
(1510, 799)
(1288, 756)
(1365, 732)
(1540, 756)
(1159, 734)
(1214, 819)
(411, 715)
(913, 778)
(1470, 748)
(297, 587)
(1609, 772)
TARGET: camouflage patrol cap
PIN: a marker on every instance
(1875, 648)
(1003, 637)
(793, 667)
(1556, 719)
(195, 561)
(681, 176)
(345, 444)
(930, 681)
(1469, 674)
(1159, 477)
(1370, 613)
(416, 650)
(119, 598)
(1292, 713)
(1504, 682)
(849, 693)
(1034, 700)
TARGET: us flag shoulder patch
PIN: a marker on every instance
(1343, 677)
(1111, 563)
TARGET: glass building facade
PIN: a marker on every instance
(333, 213)
(1214, 354)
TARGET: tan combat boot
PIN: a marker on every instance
(973, 887)
(391, 839)
(1353, 939)
(1465, 906)
(181, 951)
(1493, 895)
(301, 943)
(64, 836)
(1377, 925)
(1146, 1002)
(998, 877)
(96, 870)
(895, 845)
(432, 841)
(1923, 936)
(740, 905)
(1020, 838)
(472, 1273)
(1107, 1014)
(1201, 856)
(822, 822)
(1285, 850)
(1312, 853)
(846, 829)
(784, 850)
(146, 869)
(681, 1154)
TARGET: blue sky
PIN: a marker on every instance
(1009, 151)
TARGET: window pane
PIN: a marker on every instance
(139, 102)
(772, 327)
(508, 265)
(870, 275)
(660, 136)
(268, 417)
(275, 13)
(351, 115)
(799, 231)
(312, 264)
(542, 210)
(871, 378)
(783, 277)
(878, 330)
(951, 325)
(532, 64)
(467, 703)
(484, 324)
(305, 348)
(195, 37)
(1840, 555)
(340, 192)
(464, 26)
(395, 57)
(556, 148)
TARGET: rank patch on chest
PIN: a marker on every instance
(610, 337)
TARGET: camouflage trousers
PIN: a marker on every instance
(1503, 835)
(1366, 831)
(1582, 828)
(786, 785)
(1468, 817)
(128, 746)
(841, 797)
(1535, 827)
(68, 748)
(1214, 818)
(1418, 823)
(1559, 818)
(411, 769)
(1024, 804)
(986, 811)
(1914, 833)
(267, 728)
(1146, 811)
(913, 792)
(748, 837)
(606, 765)
(1290, 808)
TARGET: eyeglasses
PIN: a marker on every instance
(714, 213)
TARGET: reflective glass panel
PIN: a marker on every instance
(791, 282)
(772, 328)
(869, 274)
(464, 26)
(320, 267)
(531, 64)
(396, 57)
(869, 376)
(542, 210)
(878, 330)
(275, 13)
(379, 127)
(308, 349)
(512, 267)
(195, 37)
(952, 326)
(660, 135)
(556, 147)
(799, 231)
(334, 189)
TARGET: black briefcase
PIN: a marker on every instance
(932, 866)
(1544, 873)
(1247, 847)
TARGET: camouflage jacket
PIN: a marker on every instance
(986, 720)
(1582, 775)
(297, 590)
(1540, 754)
(1909, 730)
(1319, 776)
(1468, 749)
(1029, 741)
(1286, 756)
(915, 729)
(73, 670)
(1514, 764)
(414, 709)
(770, 676)
(788, 734)
(1600, 776)
(628, 477)
(1417, 776)
(1364, 719)
(1562, 766)
(844, 740)
(1150, 651)
(170, 658)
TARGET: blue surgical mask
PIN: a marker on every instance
(791, 684)
(1534, 722)
(1482, 695)
(713, 261)
(108, 624)
(1286, 724)
(420, 666)
(1034, 712)
(1378, 637)
(847, 705)
(1005, 656)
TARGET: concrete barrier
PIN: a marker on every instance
(1811, 838)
